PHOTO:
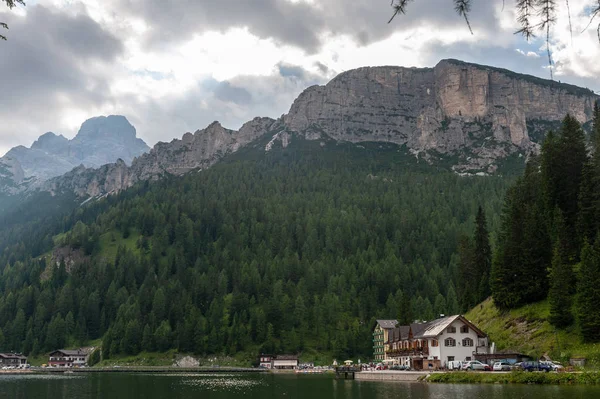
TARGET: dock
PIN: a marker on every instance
(391, 375)
(346, 372)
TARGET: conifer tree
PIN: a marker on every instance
(587, 221)
(596, 127)
(468, 284)
(482, 255)
(588, 293)
(519, 267)
(563, 160)
(562, 280)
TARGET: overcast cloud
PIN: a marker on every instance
(172, 66)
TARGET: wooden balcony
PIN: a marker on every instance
(409, 352)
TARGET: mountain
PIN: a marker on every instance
(469, 116)
(100, 140)
(287, 236)
(480, 114)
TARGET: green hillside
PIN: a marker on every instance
(297, 250)
(527, 330)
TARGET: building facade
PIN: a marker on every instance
(265, 361)
(285, 362)
(433, 344)
(380, 338)
(12, 359)
(68, 358)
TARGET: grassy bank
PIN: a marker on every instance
(527, 330)
(517, 377)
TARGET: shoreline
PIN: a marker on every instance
(516, 377)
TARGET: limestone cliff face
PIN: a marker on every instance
(482, 112)
(193, 152)
(197, 151)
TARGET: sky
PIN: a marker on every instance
(175, 66)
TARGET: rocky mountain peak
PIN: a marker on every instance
(107, 127)
(50, 142)
(100, 141)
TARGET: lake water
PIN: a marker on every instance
(264, 386)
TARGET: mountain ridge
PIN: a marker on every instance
(477, 115)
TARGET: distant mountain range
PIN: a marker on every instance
(469, 116)
(100, 141)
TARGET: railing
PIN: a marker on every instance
(409, 352)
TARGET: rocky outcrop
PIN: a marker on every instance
(193, 152)
(197, 151)
(479, 112)
(12, 177)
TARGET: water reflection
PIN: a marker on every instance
(264, 386)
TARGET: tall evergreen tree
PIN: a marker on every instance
(519, 268)
(596, 127)
(468, 283)
(482, 255)
(588, 293)
(587, 217)
(562, 280)
(563, 160)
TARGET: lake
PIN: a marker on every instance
(264, 386)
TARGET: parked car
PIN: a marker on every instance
(477, 365)
(536, 366)
(501, 366)
(554, 366)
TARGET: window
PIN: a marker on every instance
(450, 358)
(451, 329)
(467, 342)
(464, 329)
(434, 342)
(450, 342)
(468, 358)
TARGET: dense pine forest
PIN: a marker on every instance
(296, 249)
(549, 241)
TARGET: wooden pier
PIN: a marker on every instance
(346, 372)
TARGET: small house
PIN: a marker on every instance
(68, 358)
(265, 361)
(285, 362)
(12, 359)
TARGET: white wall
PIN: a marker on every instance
(459, 351)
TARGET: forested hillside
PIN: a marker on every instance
(549, 242)
(297, 248)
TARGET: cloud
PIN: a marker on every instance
(530, 54)
(301, 24)
(52, 61)
(228, 93)
(176, 66)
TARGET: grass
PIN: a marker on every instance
(527, 330)
(141, 359)
(517, 377)
(113, 239)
